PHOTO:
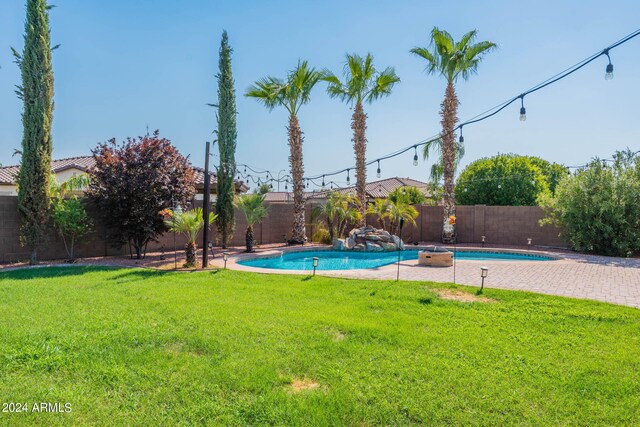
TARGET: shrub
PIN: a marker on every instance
(133, 182)
(72, 222)
(598, 207)
(321, 235)
(409, 195)
(507, 180)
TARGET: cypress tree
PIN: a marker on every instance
(36, 93)
(227, 135)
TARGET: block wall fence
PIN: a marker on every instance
(502, 225)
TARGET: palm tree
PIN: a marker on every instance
(400, 209)
(379, 208)
(437, 169)
(362, 83)
(338, 210)
(451, 60)
(291, 94)
(188, 223)
(254, 210)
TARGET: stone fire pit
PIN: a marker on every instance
(435, 256)
(368, 239)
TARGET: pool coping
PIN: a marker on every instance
(233, 262)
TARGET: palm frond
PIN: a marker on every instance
(253, 207)
(268, 90)
(433, 63)
(383, 84)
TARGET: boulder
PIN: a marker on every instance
(374, 247)
(338, 245)
(371, 239)
(349, 243)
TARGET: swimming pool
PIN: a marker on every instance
(340, 260)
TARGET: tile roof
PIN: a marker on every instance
(84, 163)
(382, 188)
(375, 190)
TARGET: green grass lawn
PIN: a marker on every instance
(139, 347)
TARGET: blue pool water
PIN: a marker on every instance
(338, 260)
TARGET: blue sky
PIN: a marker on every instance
(124, 65)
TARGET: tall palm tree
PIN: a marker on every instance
(451, 60)
(254, 210)
(291, 93)
(362, 83)
(437, 169)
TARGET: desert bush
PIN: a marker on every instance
(598, 207)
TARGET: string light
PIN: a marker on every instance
(378, 173)
(498, 108)
(608, 75)
(415, 155)
(523, 111)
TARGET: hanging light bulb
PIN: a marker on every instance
(307, 183)
(348, 179)
(323, 182)
(415, 156)
(608, 75)
(499, 185)
(523, 111)
(245, 170)
(461, 139)
(286, 185)
(378, 173)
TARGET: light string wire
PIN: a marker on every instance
(475, 119)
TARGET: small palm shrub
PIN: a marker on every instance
(189, 223)
(339, 210)
(255, 211)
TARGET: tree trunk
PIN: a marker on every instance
(298, 233)
(249, 239)
(449, 118)
(359, 126)
(191, 250)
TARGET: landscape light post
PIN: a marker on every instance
(399, 248)
(225, 258)
(529, 243)
(315, 261)
(484, 272)
(483, 238)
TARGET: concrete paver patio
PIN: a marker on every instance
(614, 280)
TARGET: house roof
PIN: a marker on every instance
(85, 163)
(8, 173)
(375, 190)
